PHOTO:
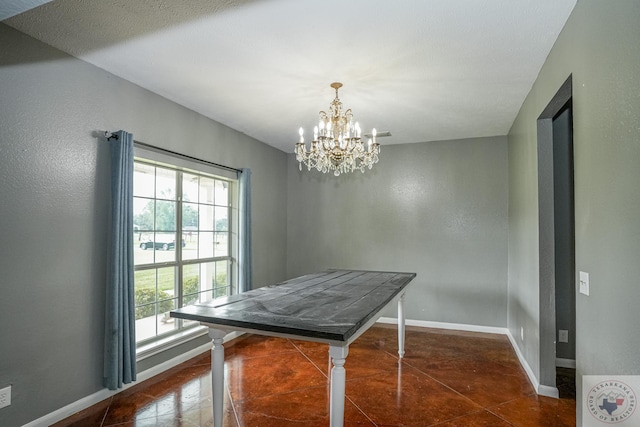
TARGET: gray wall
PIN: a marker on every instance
(599, 47)
(53, 216)
(438, 209)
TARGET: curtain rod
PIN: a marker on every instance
(111, 135)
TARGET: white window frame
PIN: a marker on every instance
(182, 333)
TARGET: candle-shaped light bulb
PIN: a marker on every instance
(301, 131)
(373, 132)
(357, 130)
(369, 145)
(315, 133)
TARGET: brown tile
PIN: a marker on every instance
(248, 346)
(275, 374)
(446, 379)
(320, 359)
(92, 416)
(381, 338)
(360, 362)
(429, 350)
(183, 381)
(167, 420)
(201, 359)
(305, 346)
(436, 345)
(129, 404)
(140, 407)
(407, 397)
(477, 419)
(307, 407)
(485, 382)
(538, 411)
(202, 416)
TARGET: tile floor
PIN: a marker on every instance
(447, 379)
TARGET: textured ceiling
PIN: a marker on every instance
(424, 70)
(9, 8)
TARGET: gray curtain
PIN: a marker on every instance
(120, 340)
(244, 230)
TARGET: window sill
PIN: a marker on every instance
(174, 340)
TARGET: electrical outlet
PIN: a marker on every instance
(563, 335)
(5, 397)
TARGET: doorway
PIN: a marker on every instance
(556, 244)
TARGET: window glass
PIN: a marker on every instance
(222, 287)
(165, 184)
(206, 218)
(190, 185)
(222, 193)
(221, 244)
(181, 245)
(190, 248)
(189, 216)
(154, 298)
(206, 190)
(205, 244)
(222, 219)
(165, 215)
(144, 177)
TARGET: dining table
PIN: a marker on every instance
(333, 307)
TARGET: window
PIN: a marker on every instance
(183, 246)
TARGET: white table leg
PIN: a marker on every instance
(217, 375)
(401, 326)
(338, 377)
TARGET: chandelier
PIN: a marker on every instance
(336, 144)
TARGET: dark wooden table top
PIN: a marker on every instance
(332, 305)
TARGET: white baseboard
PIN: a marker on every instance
(442, 325)
(540, 389)
(545, 390)
(103, 394)
(565, 363)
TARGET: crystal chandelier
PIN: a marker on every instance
(336, 144)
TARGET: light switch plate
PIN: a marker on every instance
(5, 397)
(584, 283)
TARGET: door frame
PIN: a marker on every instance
(546, 240)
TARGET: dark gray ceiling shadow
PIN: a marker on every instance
(10, 54)
(80, 27)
